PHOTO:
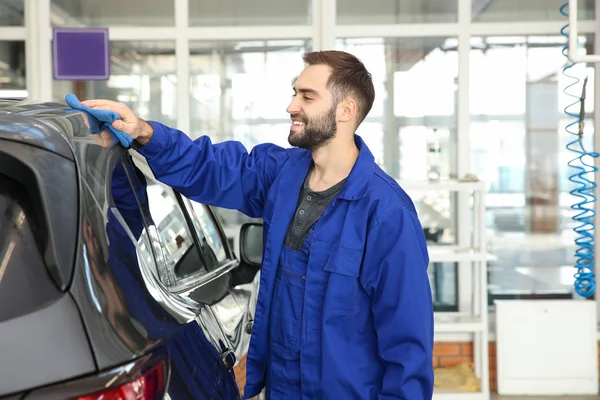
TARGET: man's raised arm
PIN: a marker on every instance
(223, 174)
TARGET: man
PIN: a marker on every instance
(345, 308)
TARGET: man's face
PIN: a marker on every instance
(312, 110)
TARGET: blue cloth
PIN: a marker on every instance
(367, 322)
(100, 120)
(284, 376)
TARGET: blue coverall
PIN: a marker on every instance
(365, 330)
(284, 375)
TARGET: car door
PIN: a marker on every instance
(151, 255)
(238, 291)
(215, 282)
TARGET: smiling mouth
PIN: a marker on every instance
(297, 123)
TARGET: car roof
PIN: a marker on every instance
(54, 127)
(46, 125)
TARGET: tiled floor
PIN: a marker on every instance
(496, 397)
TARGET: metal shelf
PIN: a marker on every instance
(451, 185)
(454, 323)
(456, 254)
(470, 250)
(441, 394)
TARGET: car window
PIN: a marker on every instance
(208, 233)
(175, 236)
(176, 250)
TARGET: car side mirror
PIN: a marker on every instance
(251, 244)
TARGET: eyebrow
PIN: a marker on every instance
(306, 91)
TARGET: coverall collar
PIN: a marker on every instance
(360, 176)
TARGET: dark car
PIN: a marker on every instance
(112, 285)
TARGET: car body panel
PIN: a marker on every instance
(45, 346)
(18, 125)
(134, 288)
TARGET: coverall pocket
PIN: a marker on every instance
(287, 308)
(341, 295)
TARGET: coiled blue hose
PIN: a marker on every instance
(583, 175)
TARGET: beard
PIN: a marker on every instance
(317, 131)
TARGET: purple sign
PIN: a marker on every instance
(80, 54)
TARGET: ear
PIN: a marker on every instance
(346, 110)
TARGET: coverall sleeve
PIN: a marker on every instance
(223, 175)
(402, 306)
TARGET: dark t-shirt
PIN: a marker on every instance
(311, 206)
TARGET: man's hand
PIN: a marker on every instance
(130, 124)
(104, 139)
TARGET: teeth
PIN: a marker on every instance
(297, 123)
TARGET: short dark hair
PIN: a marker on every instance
(348, 77)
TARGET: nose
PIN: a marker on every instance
(293, 107)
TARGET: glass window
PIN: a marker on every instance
(415, 101)
(211, 241)
(12, 12)
(356, 12)
(248, 13)
(175, 237)
(529, 10)
(518, 142)
(498, 157)
(173, 243)
(12, 69)
(143, 76)
(124, 13)
(243, 88)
